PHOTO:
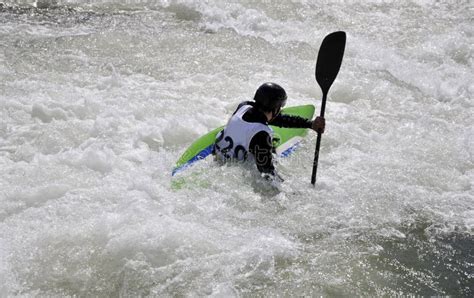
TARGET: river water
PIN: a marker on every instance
(98, 99)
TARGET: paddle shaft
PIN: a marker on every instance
(318, 143)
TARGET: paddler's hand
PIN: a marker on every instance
(318, 124)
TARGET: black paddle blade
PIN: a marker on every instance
(330, 59)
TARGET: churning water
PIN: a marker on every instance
(98, 99)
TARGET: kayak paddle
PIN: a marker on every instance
(327, 66)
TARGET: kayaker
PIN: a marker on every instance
(247, 134)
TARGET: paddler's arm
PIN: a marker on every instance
(261, 148)
(298, 122)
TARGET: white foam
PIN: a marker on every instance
(98, 101)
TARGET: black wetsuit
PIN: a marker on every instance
(261, 144)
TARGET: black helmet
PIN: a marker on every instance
(270, 96)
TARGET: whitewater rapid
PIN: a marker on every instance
(98, 99)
